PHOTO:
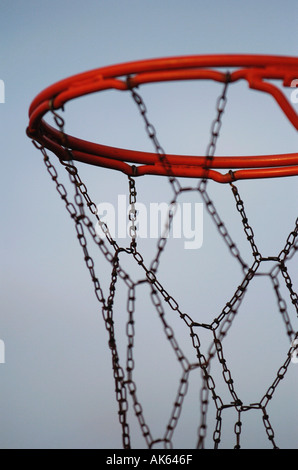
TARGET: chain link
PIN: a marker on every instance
(132, 212)
(237, 431)
(268, 427)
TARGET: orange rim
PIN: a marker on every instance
(255, 69)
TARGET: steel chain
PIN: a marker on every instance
(130, 364)
(247, 228)
(76, 212)
(124, 382)
(215, 128)
(151, 132)
(132, 212)
(281, 302)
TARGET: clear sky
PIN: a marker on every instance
(56, 386)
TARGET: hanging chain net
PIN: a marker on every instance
(83, 211)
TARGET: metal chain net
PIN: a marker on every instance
(123, 374)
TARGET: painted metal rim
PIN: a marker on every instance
(255, 69)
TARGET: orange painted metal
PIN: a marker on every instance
(255, 69)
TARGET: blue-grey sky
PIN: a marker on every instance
(57, 388)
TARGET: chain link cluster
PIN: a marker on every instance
(124, 375)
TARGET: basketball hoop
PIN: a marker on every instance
(257, 70)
